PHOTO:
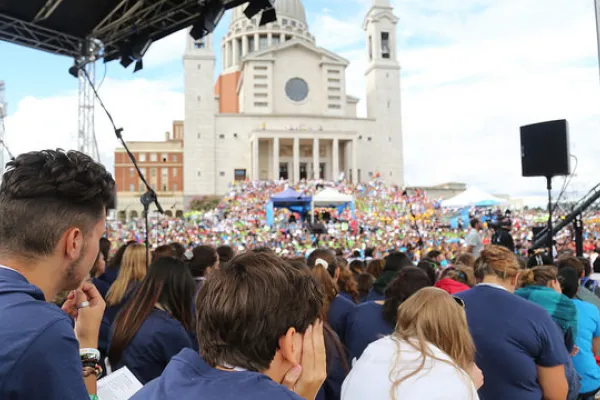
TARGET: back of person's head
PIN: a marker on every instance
(263, 249)
(397, 260)
(357, 266)
(539, 260)
(204, 260)
(298, 263)
(115, 261)
(569, 281)
(474, 222)
(252, 309)
(133, 269)
(225, 253)
(164, 251)
(597, 265)
(169, 285)
(429, 267)
(99, 266)
(53, 204)
(409, 281)
(587, 265)
(364, 283)
(432, 316)
(466, 259)
(433, 255)
(105, 246)
(347, 284)
(369, 251)
(572, 262)
(375, 268)
(323, 264)
(356, 253)
(179, 250)
(538, 276)
(499, 262)
(460, 273)
(341, 261)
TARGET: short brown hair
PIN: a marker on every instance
(497, 261)
(573, 262)
(246, 306)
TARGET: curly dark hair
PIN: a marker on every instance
(55, 190)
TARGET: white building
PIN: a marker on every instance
(279, 109)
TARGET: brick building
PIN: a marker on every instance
(162, 165)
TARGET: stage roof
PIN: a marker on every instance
(61, 26)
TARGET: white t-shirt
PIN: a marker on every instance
(474, 239)
(370, 375)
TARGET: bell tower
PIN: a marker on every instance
(383, 89)
(199, 124)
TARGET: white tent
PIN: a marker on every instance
(329, 197)
(473, 197)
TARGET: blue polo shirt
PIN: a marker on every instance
(39, 354)
(512, 336)
(365, 325)
(159, 338)
(188, 377)
(337, 317)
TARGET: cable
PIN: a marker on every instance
(566, 184)
(150, 196)
(103, 77)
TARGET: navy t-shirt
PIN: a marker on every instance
(365, 325)
(512, 336)
(39, 354)
(188, 377)
(159, 339)
(339, 309)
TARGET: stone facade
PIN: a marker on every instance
(280, 109)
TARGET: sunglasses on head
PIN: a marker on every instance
(459, 301)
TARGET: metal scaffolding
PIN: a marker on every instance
(86, 133)
(3, 113)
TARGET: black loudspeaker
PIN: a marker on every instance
(545, 149)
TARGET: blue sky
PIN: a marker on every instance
(473, 71)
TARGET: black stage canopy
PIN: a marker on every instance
(63, 26)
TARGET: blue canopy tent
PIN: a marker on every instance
(289, 199)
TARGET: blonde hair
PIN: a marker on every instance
(133, 269)
(498, 261)
(432, 316)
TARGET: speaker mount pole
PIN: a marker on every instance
(550, 236)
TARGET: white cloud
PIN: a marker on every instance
(474, 71)
(166, 50)
(145, 109)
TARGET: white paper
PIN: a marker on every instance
(120, 385)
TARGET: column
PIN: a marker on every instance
(296, 160)
(354, 162)
(256, 44)
(255, 172)
(245, 46)
(335, 159)
(316, 158)
(223, 54)
(270, 39)
(276, 159)
(234, 54)
(227, 54)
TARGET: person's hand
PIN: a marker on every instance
(89, 318)
(574, 351)
(476, 376)
(307, 378)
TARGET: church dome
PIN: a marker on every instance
(285, 8)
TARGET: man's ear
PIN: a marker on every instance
(289, 346)
(73, 243)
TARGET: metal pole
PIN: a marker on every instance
(597, 10)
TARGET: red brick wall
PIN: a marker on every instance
(125, 178)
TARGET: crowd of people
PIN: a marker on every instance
(390, 303)
(385, 217)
